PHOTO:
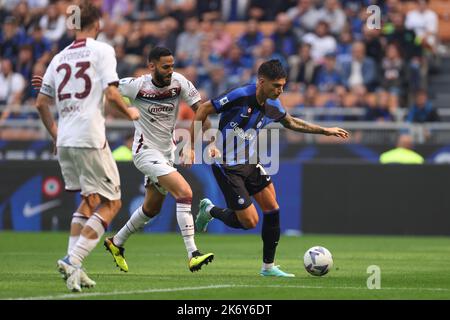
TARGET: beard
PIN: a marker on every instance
(162, 80)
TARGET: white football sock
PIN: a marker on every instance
(77, 218)
(186, 225)
(84, 245)
(136, 222)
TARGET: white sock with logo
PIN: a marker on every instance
(186, 224)
(77, 218)
(136, 222)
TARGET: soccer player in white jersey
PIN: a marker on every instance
(77, 78)
(157, 96)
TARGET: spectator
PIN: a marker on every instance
(12, 85)
(361, 72)
(110, 34)
(166, 34)
(303, 69)
(25, 62)
(11, 38)
(178, 9)
(344, 47)
(144, 10)
(251, 38)
(53, 23)
(393, 71)
(424, 22)
(422, 111)
(334, 15)
(328, 77)
(267, 51)
(221, 40)
(374, 47)
(41, 45)
(304, 15)
(321, 41)
(267, 10)
(218, 82)
(23, 16)
(403, 153)
(237, 67)
(188, 43)
(377, 109)
(116, 10)
(284, 38)
(209, 9)
(410, 51)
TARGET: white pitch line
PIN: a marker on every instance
(112, 293)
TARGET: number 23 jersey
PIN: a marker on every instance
(76, 79)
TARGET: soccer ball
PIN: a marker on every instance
(318, 261)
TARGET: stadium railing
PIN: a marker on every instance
(362, 131)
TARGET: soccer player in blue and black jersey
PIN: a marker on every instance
(244, 111)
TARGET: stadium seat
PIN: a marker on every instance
(236, 29)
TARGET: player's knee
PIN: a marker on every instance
(183, 193)
(115, 205)
(151, 210)
(250, 222)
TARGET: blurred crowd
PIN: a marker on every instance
(332, 57)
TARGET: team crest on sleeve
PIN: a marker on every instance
(193, 92)
(223, 101)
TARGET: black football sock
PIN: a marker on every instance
(270, 234)
(227, 216)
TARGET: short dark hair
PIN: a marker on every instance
(272, 69)
(90, 14)
(157, 52)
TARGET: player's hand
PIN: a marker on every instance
(188, 157)
(36, 82)
(133, 113)
(214, 152)
(337, 132)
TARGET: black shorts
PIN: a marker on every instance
(239, 182)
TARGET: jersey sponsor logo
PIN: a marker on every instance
(240, 132)
(160, 95)
(223, 101)
(156, 109)
(69, 109)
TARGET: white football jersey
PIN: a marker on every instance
(76, 78)
(158, 108)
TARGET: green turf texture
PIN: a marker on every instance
(411, 268)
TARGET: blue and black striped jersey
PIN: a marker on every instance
(240, 121)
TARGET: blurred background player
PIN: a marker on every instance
(77, 78)
(124, 152)
(157, 95)
(250, 107)
(403, 153)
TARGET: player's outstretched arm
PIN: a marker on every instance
(299, 125)
(206, 123)
(114, 97)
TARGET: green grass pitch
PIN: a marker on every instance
(411, 268)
